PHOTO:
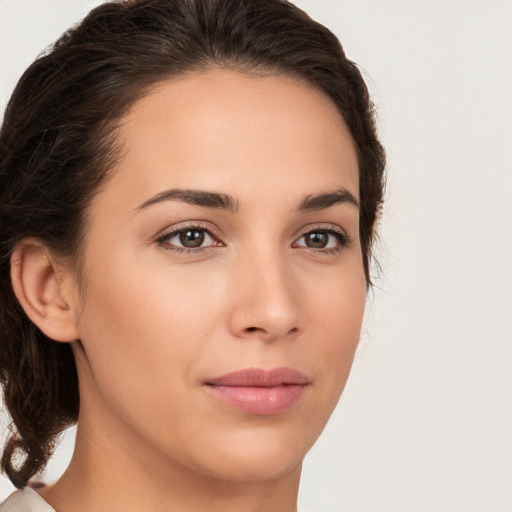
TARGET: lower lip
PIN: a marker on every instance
(264, 401)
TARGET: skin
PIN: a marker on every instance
(154, 324)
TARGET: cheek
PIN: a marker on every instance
(140, 327)
(146, 332)
(337, 300)
(335, 316)
(155, 315)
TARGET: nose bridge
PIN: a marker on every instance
(266, 303)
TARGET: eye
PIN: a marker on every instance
(326, 240)
(189, 239)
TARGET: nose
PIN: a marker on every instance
(265, 299)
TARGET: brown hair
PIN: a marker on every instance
(57, 144)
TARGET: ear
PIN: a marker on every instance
(44, 290)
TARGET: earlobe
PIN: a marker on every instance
(38, 286)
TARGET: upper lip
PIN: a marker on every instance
(259, 377)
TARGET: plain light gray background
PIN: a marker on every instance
(425, 423)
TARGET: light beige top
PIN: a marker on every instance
(26, 500)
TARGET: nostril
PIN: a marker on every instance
(251, 329)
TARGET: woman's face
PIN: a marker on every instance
(227, 240)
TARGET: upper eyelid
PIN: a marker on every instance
(333, 228)
(192, 225)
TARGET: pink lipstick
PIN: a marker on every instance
(258, 391)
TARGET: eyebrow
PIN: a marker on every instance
(195, 197)
(325, 200)
(226, 202)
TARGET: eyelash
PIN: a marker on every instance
(163, 241)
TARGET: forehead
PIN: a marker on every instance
(223, 129)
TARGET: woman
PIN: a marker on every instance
(188, 194)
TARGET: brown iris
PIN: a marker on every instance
(192, 238)
(317, 240)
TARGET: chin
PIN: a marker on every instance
(255, 468)
(256, 456)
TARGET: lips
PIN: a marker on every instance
(258, 391)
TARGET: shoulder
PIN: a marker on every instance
(26, 500)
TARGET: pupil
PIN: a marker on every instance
(317, 240)
(191, 238)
